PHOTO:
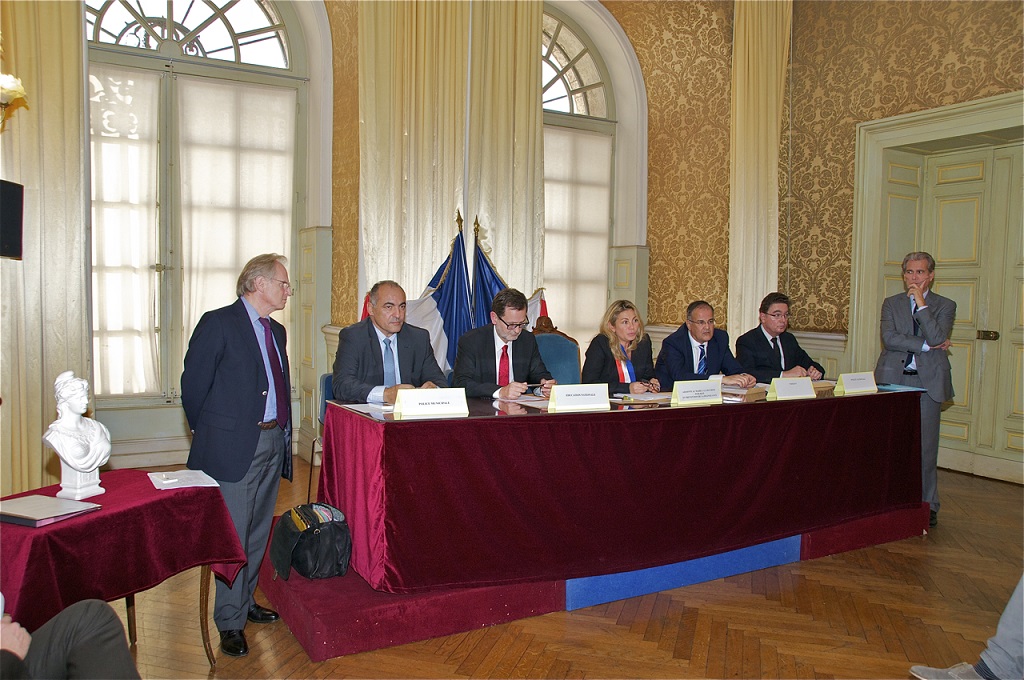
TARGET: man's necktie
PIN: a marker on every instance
(503, 367)
(917, 331)
(280, 391)
(389, 365)
(778, 352)
(702, 361)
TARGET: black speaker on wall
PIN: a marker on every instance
(12, 201)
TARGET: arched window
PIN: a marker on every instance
(195, 109)
(579, 138)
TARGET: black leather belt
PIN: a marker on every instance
(909, 371)
(269, 425)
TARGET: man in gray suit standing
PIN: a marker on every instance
(916, 326)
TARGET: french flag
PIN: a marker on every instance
(487, 283)
(444, 307)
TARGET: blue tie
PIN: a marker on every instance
(389, 365)
(702, 362)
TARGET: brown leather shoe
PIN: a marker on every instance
(258, 614)
(232, 643)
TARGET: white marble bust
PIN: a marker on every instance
(83, 444)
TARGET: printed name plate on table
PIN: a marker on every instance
(446, 402)
(696, 392)
(791, 388)
(856, 383)
(592, 397)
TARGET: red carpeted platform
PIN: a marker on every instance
(860, 533)
(343, 615)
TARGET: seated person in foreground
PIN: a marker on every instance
(770, 351)
(382, 354)
(85, 640)
(500, 360)
(699, 350)
(621, 354)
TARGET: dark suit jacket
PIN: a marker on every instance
(359, 366)
(600, 365)
(936, 323)
(757, 357)
(675, 360)
(474, 362)
(224, 392)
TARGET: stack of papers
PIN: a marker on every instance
(181, 479)
(38, 511)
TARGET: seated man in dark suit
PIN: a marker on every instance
(382, 354)
(770, 351)
(500, 360)
(699, 350)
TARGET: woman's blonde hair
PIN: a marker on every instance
(608, 323)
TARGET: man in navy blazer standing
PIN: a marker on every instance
(699, 350)
(501, 360)
(382, 353)
(770, 351)
(236, 393)
(916, 326)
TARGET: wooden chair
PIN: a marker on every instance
(560, 352)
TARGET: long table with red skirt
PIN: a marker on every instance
(139, 537)
(488, 500)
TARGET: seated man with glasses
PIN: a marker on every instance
(698, 350)
(501, 360)
(770, 351)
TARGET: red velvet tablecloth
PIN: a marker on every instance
(139, 537)
(484, 501)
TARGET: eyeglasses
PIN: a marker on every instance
(284, 284)
(778, 315)
(702, 322)
(512, 326)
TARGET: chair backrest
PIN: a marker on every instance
(560, 352)
(326, 393)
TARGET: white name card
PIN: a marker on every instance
(578, 398)
(447, 402)
(791, 388)
(696, 392)
(856, 383)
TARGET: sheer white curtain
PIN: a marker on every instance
(236, 156)
(412, 103)
(577, 188)
(125, 145)
(425, 69)
(760, 54)
(505, 183)
(44, 311)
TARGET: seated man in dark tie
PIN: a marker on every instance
(382, 354)
(501, 360)
(699, 350)
(770, 351)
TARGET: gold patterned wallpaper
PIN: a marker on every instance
(685, 54)
(860, 61)
(853, 61)
(343, 16)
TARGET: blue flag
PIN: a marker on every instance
(450, 293)
(486, 284)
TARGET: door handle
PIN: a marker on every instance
(988, 335)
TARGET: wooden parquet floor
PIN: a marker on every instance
(868, 613)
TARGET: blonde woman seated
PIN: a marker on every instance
(621, 354)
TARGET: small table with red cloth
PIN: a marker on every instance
(139, 537)
(491, 500)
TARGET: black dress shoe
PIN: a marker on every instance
(258, 614)
(933, 518)
(232, 643)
